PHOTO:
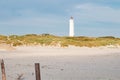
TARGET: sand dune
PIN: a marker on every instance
(6, 47)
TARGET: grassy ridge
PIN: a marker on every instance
(47, 39)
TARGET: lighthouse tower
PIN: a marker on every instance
(71, 27)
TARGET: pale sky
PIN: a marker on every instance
(91, 17)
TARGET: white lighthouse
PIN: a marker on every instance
(71, 27)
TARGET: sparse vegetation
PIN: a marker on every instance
(20, 77)
(47, 39)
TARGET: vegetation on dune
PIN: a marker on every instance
(47, 39)
(3, 38)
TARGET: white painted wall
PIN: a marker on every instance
(71, 27)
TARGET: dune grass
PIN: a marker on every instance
(47, 39)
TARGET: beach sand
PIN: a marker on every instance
(72, 63)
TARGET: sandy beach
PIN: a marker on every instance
(71, 63)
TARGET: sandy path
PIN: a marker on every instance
(63, 63)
